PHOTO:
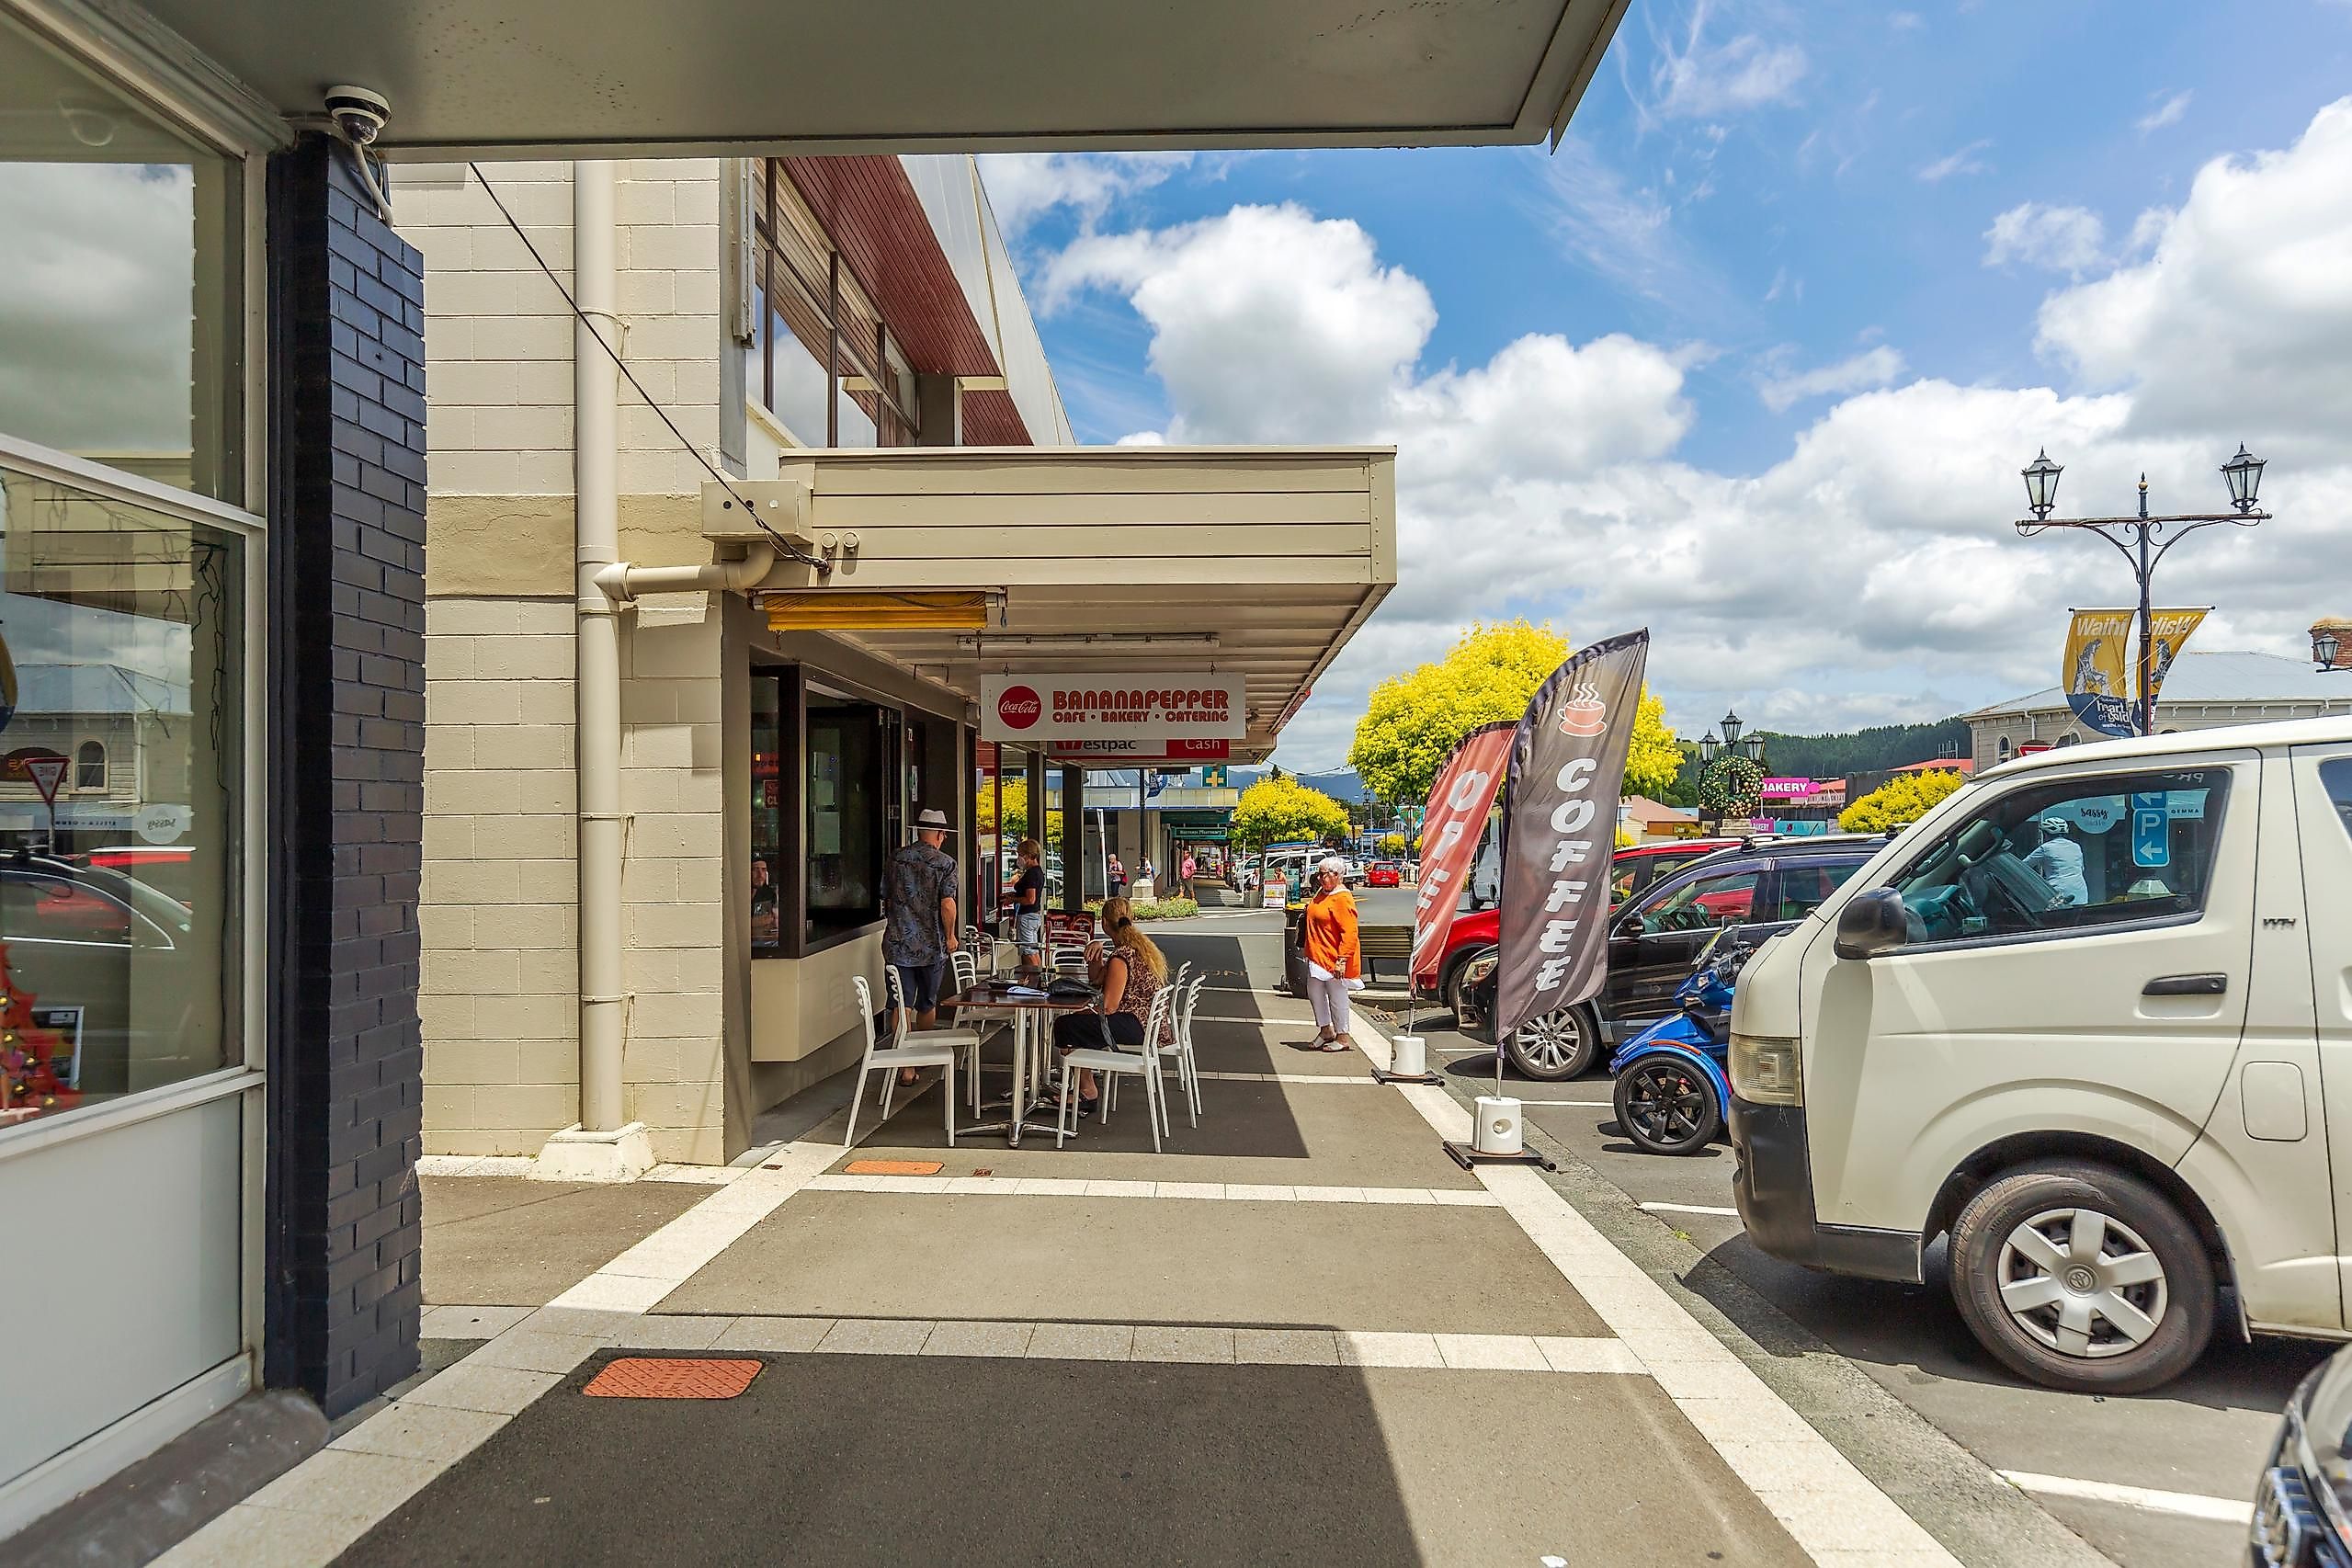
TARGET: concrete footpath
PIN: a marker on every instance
(1300, 1335)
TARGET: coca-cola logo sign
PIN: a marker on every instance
(1018, 707)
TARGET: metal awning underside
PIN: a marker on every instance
(1256, 560)
(487, 77)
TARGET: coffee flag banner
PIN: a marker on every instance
(1459, 803)
(1559, 827)
(2102, 687)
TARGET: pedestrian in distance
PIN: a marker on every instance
(2058, 860)
(1028, 904)
(1334, 953)
(1114, 877)
(1186, 869)
(919, 919)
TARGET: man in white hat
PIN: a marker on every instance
(919, 916)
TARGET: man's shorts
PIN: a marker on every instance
(921, 982)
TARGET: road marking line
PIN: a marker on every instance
(2189, 1505)
(1587, 1105)
(1690, 1208)
(1839, 1509)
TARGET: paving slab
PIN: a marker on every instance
(862, 1460)
(1275, 1134)
(1126, 1260)
(511, 1241)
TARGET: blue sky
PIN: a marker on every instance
(1835, 251)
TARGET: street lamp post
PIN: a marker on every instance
(2150, 538)
(1734, 745)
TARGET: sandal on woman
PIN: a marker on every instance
(1335, 1044)
(1320, 1042)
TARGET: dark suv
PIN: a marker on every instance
(1765, 885)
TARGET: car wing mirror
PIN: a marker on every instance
(1872, 922)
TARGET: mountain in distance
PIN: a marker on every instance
(1872, 750)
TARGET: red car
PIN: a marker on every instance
(1630, 871)
(1383, 874)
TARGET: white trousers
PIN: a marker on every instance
(1330, 999)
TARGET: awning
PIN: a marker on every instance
(1259, 562)
(500, 77)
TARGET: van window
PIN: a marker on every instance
(2082, 854)
(2335, 775)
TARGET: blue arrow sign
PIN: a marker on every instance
(2152, 838)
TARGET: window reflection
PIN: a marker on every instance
(120, 753)
(120, 336)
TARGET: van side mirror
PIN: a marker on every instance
(1872, 922)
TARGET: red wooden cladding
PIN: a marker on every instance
(869, 207)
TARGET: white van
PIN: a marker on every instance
(2091, 1017)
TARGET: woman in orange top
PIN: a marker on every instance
(1335, 959)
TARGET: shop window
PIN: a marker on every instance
(844, 823)
(770, 871)
(120, 931)
(121, 332)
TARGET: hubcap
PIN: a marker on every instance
(1663, 1104)
(2081, 1283)
(1551, 1042)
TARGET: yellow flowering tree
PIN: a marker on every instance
(1016, 812)
(1273, 809)
(1900, 801)
(1415, 718)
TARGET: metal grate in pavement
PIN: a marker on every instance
(672, 1377)
(892, 1168)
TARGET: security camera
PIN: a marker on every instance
(358, 114)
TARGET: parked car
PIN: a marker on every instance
(1384, 874)
(2302, 1503)
(1630, 872)
(1655, 939)
(2079, 1018)
(101, 953)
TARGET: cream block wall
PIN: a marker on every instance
(500, 992)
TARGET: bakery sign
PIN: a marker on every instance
(1054, 710)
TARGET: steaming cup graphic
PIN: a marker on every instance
(1584, 713)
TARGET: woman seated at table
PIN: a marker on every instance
(1129, 968)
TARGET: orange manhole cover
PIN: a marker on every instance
(892, 1168)
(672, 1377)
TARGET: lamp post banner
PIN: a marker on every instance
(1453, 823)
(2100, 685)
(1559, 829)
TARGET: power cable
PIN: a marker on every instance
(791, 551)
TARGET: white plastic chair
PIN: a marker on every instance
(921, 1052)
(1068, 960)
(983, 1022)
(1113, 1063)
(904, 1033)
(1187, 1066)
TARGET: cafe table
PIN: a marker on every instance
(1032, 1019)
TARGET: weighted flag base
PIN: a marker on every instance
(1469, 1158)
(1382, 1075)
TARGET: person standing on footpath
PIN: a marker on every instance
(919, 919)
(1327, 932)
(1114, 877)
(1028, 904)
(1186, 869)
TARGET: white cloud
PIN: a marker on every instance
(1869, 574)
(2062, 239)
(2240, 320)
(1698, 80)
(1025, 186)
(1962, 161)
(2168, 112)
(1872, 367)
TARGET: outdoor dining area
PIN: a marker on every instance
(997, 1006)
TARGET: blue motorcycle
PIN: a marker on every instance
(1673, 1082)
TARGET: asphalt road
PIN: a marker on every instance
(2204, 1437)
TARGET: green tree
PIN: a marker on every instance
(1394, 844)
(1414, 720)
(1900, 801)
(1016, 812)
(1275, 809)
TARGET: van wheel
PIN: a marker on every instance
(2082, 1277)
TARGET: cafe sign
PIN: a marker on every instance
(1053, 711)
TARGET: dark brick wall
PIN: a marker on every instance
(348, 669)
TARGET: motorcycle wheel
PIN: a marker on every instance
(1667, 1106)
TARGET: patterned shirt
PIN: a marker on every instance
(1142, 986)
(918, 876)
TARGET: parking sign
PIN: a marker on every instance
(2151, 836)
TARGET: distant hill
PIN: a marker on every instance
(1341, 783)
(1874, 750)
